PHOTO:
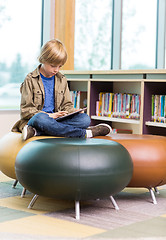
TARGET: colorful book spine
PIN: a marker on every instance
(110, 104)
(125, 131)
(158, 108)
(165, 110)
(97, 108)
(118, 105)
(79, 99)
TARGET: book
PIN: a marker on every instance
(126, 131)
(158, 108)
(79, 99)
(152, 109)
(70, 114)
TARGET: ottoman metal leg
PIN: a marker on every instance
(77, 210)
(15, 183)
(156, 190)
(32, 202)
(23, 192)
(114, 203)
(153, 196)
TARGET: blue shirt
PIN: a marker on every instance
(49, 85)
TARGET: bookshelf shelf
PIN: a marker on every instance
(145, 83)
(155, 124)
(120, 120)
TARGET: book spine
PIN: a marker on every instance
(97, 108)
(164, 108)
(152, 118)
(110, 105)
(158, 108)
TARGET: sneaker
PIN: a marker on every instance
(28, 132)
(100, 130)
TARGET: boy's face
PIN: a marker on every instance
(50, 70)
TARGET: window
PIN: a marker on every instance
(93, 35)
(138, 34)
(20, 31)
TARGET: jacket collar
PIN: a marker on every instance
(36, 73)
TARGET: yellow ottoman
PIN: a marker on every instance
(10, 145)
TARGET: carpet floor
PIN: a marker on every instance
(51, 219)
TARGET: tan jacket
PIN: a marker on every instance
(32, 97)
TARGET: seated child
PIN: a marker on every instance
(45, 96)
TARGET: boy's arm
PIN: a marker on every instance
(28, 107)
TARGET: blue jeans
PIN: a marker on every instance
(74, 126)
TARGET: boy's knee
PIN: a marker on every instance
(37, 118)
(86, 120)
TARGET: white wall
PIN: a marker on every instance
(7, 120)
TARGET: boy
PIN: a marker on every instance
(45, 96)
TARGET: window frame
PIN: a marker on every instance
(160, 35)
(49, 32)
(45, 34)
(48, 20)
(160, 55)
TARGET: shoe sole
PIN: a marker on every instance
(24, 133)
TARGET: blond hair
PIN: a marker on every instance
(53, 52)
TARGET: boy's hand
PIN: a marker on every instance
(58, 114)
(79, 109)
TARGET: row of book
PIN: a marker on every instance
(159, 108)
(125, 131)
(79, 99)
(118, 105)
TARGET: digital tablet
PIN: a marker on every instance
(70, 114)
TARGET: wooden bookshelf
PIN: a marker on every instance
(155, 124)
(120, 120)
(143, 82)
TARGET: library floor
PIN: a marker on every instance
(50, 219)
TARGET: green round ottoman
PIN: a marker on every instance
(74, 169)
